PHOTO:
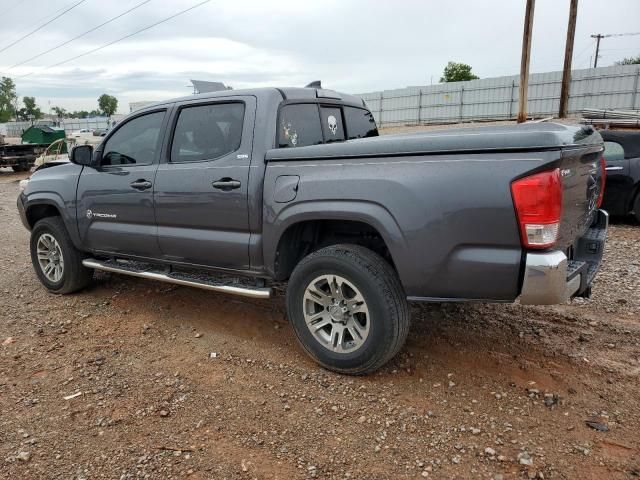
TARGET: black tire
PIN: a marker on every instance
(20, 168)
(75, 276)
(636, 207)
(385, 299)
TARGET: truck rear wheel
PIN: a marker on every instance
(55, 259)
(348, 309)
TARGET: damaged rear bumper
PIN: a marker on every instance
(552, 278)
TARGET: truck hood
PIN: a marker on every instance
(527, 136)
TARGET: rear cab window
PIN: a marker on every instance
(332, 125)
(360, 123)
(299, 126)
(303, 124)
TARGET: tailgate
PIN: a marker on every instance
(582, 182)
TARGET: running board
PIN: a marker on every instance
(179, 278)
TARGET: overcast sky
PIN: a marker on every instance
(354, 46)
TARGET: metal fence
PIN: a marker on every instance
(614, 87)
(15, 129)
(95, 123)
(497, 98)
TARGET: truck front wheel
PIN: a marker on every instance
(55, 259)
(348, 309)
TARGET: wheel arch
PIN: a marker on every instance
(312, 225)
(41, 206)
(38, 211)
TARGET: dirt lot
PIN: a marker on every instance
(117, 382)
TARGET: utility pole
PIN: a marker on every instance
(524, 64)
(568, 55)
(598, 37)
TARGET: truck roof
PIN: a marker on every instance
(285, 93)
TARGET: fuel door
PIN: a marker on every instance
(286, 188)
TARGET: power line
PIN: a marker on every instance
(584, 50)
(42, 26)
(599, 37)
(629, 49)
(15, 5)
(119, 39)
(79, 36)
(621, 34)
(34, 22)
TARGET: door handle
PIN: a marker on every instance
(226, 184)
(613, 169)
(141, 184)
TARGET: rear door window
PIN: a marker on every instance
(613, 151)
(299, 126)
(360, 123)
(332, 125)
(207, 132)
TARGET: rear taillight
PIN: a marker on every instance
(603, 180)
(538, 203)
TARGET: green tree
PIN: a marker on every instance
(108, 104)
(79, 114)
(629, 61)
(31, 110)
(8, 98)
(457, 72)
(59, 111)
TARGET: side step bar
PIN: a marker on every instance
(179, 278)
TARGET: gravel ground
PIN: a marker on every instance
(119, 381)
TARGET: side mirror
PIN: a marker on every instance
(82, 155)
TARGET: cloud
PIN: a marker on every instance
(354, 46)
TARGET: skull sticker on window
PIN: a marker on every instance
(333, 124)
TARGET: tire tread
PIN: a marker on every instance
(78, 276)
(386, 279)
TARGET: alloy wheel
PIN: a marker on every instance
(336, 313)
(50, 257)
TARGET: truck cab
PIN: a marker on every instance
(160, 174)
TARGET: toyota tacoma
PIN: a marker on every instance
(235, 191)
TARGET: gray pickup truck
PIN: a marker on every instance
(233, 191)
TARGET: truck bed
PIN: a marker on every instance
(446, 197)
